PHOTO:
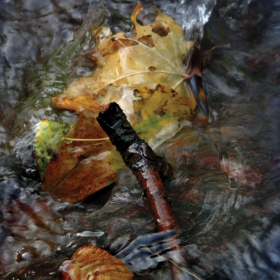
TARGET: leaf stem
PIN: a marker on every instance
(86, 140)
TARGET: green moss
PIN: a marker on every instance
(48, 137)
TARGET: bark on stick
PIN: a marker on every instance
(148, 168)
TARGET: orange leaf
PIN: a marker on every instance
(80, 169)
(80, 103)
(91, 262)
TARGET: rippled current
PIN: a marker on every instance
(226, 188)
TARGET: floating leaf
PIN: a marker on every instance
(91, 262)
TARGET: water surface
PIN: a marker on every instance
(226, 187)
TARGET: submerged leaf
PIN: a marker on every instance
(47, 140)
(153, 55)
(91, 262)
(160, 113)
(146, 76)
(80, 169)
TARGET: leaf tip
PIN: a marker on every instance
(135, 13)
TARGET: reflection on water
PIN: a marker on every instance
(226, 189)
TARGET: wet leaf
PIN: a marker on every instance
(153, 55)
(80, 168)
(145, 75)
(160, 113)
(48, 137)
(91, 262)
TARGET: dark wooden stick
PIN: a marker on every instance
(148, 168)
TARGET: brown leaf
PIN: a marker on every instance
(80, 168)
(145, 74)
(91, 262)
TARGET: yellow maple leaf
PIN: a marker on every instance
(152, 56)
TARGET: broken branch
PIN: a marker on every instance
(148, 168)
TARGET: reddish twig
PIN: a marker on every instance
(148, 168)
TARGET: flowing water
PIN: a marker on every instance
(226, 187)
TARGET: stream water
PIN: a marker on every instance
(226, 188)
